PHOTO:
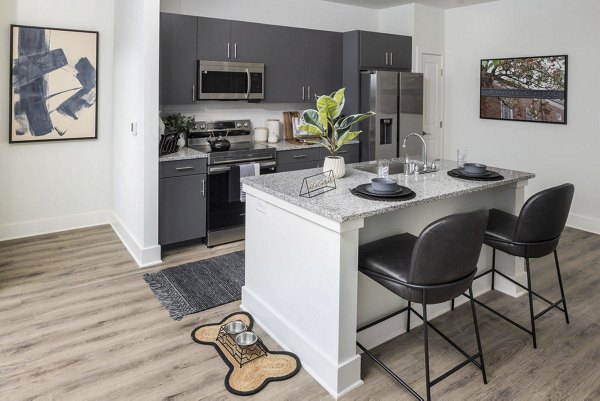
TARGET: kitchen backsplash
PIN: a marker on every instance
(257, 113)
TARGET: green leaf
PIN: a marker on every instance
(312, 117)
(310, 128)
(349, 121)
(340, 99)
(346, 138)
(329, 106)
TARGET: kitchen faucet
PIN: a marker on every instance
(426, 167)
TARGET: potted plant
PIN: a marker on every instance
(175, 125)
(333, 129)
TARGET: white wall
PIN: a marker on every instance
(397, 20)
(54, 186)
(556, 153)
(135, 168)
(428, 35)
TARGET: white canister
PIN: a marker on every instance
(273, 127)
(261, 134)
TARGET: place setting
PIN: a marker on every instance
(383, 189)
(473, 171)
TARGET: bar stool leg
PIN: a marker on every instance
(530, 302)
(493, 266)
(452, 304)
(562, 291)
(476, 324)
(426, 346)
(408, 317)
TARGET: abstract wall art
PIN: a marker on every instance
(54, 78)
(530, 89)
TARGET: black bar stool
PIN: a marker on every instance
(435, 267)
(535, 233)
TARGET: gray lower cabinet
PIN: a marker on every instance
(182, 201)
(177, 58)
(350, 153)
(299, 159)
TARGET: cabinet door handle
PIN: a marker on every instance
(187, 168)
(386, 58)
(203, 188)
(303, 93)
(391, 58)
(228, 52)
(299, 156)
(341, 152)
(193, 93)
(308, 97)
(235, 50)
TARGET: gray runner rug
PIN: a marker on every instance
(201, 285)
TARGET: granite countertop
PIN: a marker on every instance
(184, 153)
(341, 206)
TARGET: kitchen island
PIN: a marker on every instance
(302, 281)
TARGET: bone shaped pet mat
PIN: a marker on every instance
(247, 376)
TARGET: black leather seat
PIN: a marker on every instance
(435, 267)
(533, 234)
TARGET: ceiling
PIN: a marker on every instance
(381, 4)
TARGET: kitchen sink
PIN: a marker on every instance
(395, 168)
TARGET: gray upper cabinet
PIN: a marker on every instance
(323, 62)
(214, 39)
(382, 50)
(248, 41)
(284, 65)
(177, 58)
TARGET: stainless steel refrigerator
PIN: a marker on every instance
(397, 100)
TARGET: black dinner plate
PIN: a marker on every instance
(486, 173)
(406, 192)
(493, 176)
(398, 189)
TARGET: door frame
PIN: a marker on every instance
(418, 68)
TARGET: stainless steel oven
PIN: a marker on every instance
(226, 212)
(226, 80)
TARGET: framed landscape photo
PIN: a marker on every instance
(530, 89)
(54, 78)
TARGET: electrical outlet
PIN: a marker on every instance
(261, 207)
(133, 128)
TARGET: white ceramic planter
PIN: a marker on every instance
(337, 164)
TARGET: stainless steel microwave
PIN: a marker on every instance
(227, 80)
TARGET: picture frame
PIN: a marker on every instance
(53, 93)
(526, 89)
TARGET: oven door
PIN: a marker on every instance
(224, 80)
(226, 217)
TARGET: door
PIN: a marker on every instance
(323, 63)
(177, 59)
(182, 214)
(214, 39)
(284, 65)
(431, 65)
(248, 41)
(384, 89)
(373, 50)
(400, 52)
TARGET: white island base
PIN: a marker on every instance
(304, 289)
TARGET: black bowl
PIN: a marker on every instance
(380, 184)
(475, 168)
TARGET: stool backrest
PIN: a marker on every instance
(448, 249)
(544, 215)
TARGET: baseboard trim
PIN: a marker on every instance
(585, 223)
(32, 228)
(144, 257)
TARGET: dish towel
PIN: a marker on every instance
(248, 170)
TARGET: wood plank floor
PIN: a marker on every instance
(78, 322)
